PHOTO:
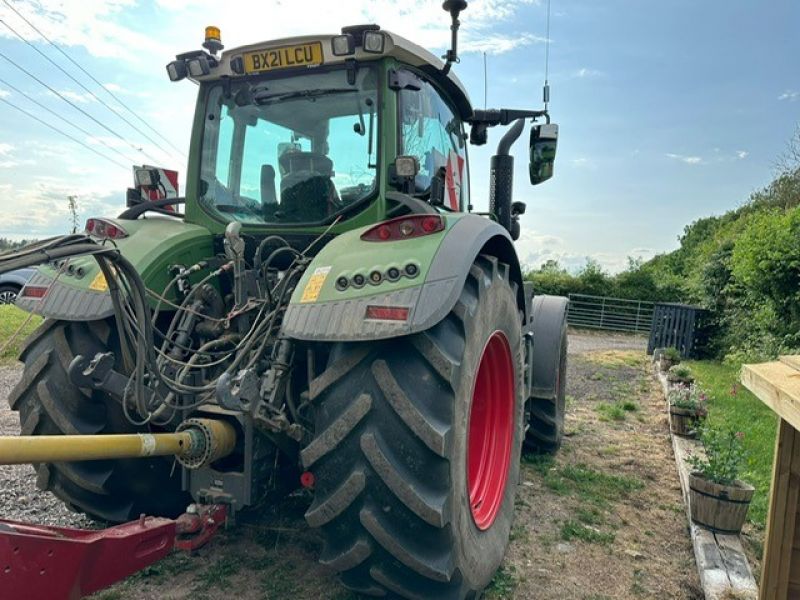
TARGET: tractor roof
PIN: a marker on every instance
(395, 46)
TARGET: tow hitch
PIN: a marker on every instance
(58, 563)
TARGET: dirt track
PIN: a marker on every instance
(601, 520)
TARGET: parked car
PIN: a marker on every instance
(11, 283)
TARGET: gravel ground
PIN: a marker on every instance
(582, 341)
(20, 500)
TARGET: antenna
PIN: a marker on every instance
(485, 83)
(546, 88)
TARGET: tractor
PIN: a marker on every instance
(326, 311)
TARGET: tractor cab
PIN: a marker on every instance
(305, 131)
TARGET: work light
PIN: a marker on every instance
(374, 41)
(342, 45)
(176, 70)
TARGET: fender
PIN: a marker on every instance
(320, 311)
(548, 323)
(79, 292)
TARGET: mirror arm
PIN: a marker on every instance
(504, 116)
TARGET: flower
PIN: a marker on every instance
(734, 389)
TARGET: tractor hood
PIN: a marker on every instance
(77, 290)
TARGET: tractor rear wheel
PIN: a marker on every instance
(546, 417)
(50, 404)
(416, 452)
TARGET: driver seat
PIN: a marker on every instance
(307, 187)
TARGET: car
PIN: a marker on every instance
(11, 283)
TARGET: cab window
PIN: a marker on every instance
(431, 131)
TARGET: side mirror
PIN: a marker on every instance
(544, 139)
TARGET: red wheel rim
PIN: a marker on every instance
(491, 431)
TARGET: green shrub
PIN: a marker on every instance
(724, 455)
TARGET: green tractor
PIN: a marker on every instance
(330, 294)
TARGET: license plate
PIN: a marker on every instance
(302, 55)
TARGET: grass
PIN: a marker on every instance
(573, 530)
(503, 584)
(617, 410)
(742, 412)
(11, 319)
(590, 485)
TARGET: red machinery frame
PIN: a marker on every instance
(58, 563)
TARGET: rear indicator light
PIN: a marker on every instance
(403, 228)
(103, 228)
(387, 313)
(34, 291)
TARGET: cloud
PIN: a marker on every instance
(4, 93)
(689, 160)
(741, 154)
(105, 28)
(5, 149)
(789, 95)
(499, 44)
(585, 72)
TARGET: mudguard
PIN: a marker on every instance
(80, 292)
(321, 311)
(549, 320)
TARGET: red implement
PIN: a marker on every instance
(57, 563)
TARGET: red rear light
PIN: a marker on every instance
(34, 291)
(403, 228)
(387, 313)
(103, 228)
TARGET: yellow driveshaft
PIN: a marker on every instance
(197, 442)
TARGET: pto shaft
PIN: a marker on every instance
(198, 442)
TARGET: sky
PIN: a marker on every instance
(668, 111)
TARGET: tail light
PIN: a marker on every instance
(403, 228)
(34, 291)
(103, 228)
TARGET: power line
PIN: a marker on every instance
(92, 77)
(57, 130)
(75, 106)
(87, 90)
(61, 118)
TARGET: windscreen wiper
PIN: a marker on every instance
(309, 94)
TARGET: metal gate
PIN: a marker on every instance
(615, 314)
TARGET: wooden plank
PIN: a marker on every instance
(792, 360)
(736, 565)
(777, 385)
(782, 518)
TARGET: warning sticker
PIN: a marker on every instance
(314, 285)
(99, 283)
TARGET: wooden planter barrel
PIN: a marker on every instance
(720, 508)
(682, 421)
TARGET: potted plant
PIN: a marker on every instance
(718, 500)
(687, 407)
(669, 357)
(680, 374)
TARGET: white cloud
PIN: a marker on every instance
(689, 160)
(585, 72)
(499, 44)
(789, 95)
(104, 28)
(4, 93)
(741, 154)
(5, 149)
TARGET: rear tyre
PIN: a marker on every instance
(546, 415)
(416, 450)
(50, 404)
